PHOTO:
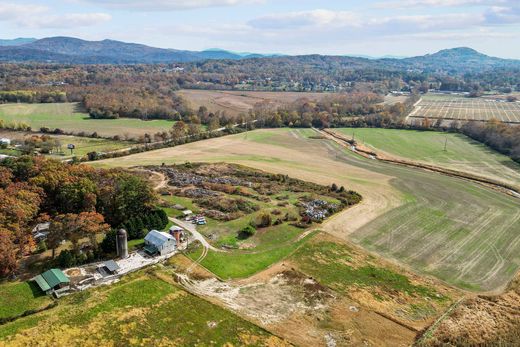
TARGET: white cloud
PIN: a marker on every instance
(36, 16)
(442, 3)
(315, 18)
(69, 20)
(173, 5)
(14, 11)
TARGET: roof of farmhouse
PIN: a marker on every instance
(158, 238)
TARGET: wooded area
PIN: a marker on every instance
(78, 201)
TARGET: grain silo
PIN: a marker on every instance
(122, 244)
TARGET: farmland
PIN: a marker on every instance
(455, 230)
(83, 145)
(234, 103)
(457, 108)
(329, 290)
(69, 117)
(144, 308)
(462, 153)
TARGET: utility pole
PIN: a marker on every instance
(446, 144)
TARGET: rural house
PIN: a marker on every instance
(159, 242)
(52, 280)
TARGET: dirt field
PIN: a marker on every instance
(456, 230)
(303, 305)
(236, 102)
(451, 108)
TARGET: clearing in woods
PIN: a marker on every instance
(460, 108)
(462, 153)
(71, 118)
(236, 102)
(457, 230)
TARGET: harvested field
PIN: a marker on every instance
(459, 231)
(236, 102)
(71, 118)
(462, 153)
(457, 108)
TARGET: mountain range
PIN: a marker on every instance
(73, 50)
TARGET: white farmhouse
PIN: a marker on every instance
(158, 242)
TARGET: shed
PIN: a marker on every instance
(109, 267)
(187, 213)
(159, 242)
(51, 280)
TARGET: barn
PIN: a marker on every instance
(52, 280)
(158, 242)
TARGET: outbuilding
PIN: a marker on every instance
(109, 267)
(52, 280)
(158, 242)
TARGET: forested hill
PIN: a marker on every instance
(461, 59)
(73, 50)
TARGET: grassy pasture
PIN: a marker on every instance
(140, 310)
(18, 297)
(462, 153)
(242, 264)
(458, 231)
(69, 117)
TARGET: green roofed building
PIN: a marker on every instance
(51, 280)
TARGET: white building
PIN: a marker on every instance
(5, 141)
(159, 242)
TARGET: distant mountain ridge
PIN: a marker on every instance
(72, 50)
(16, 42)
(78, 51)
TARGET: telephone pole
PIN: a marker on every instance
(446, 144)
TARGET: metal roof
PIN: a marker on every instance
(41, 283)
(111, 265)
(50, 279)
(158, 238)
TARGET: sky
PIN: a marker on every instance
(366, 27)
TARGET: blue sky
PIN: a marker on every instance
(372, 27)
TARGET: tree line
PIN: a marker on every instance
(78, 201)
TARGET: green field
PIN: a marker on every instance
(70, 118)
(242, 264)
(19, 297)
(140, 310)
(462, 153)
(457, 230)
